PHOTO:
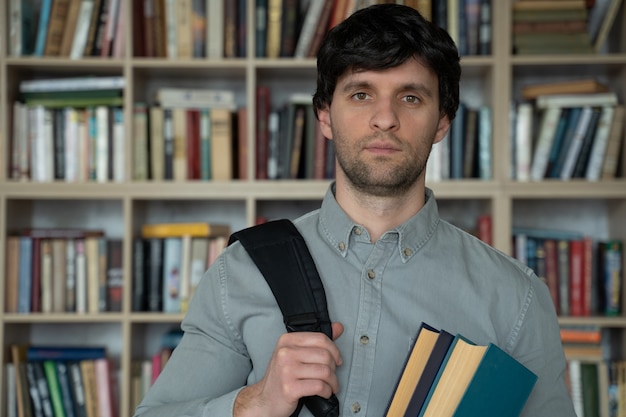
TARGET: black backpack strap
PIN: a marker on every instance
(281, 254)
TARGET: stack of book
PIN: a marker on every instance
(69, 129)
(449, 375)
(568, 130)
(550, 27)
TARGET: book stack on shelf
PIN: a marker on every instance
(569, 130)
(51, 381)
(190, 134)
(449, 375)
(169, 259)
(584, 276)
(66, 28)
(69, 129)
(63, 271)
(550, 27)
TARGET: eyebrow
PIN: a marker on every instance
(419, 87)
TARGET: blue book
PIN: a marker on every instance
(64, 353)
(42, 27)
(563, 141)
(433, 364)
(25, 275)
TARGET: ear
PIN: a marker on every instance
(442, 128)
(323, 116)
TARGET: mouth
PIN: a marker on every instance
(382, 148)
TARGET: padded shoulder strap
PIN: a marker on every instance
(280, 252)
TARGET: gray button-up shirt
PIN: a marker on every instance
(425, 270)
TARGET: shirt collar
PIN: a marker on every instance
(336, 226)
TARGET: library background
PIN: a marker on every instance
(135, 136)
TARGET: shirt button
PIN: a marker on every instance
(341, 246)
(364, 340)
(357, 231)
(371, 274)
(356, 407)
(407, 252)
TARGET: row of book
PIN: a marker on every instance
(60, 381)
(289, 143)
(595, 374)
(168, 262)
(466, 151)
(67, 28)
(584, 276)
(558, 27)
(569, 136)
(69, 129)
(63, 270)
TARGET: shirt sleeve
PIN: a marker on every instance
(539, 348)
(209, 366)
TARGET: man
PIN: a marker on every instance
(387, 89)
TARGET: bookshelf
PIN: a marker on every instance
(598, 209)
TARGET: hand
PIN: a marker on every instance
(303, 364)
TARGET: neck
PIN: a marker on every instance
(379, 214)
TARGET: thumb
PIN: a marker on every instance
(337, 330)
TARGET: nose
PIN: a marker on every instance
(384, 116)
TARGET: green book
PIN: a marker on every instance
(500, 387)
(49, 368)
(478, 380)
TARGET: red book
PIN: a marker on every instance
(193, 144)
(485, 232)
(577, 282)
(262, 130)
(552, 272)
(35, 301)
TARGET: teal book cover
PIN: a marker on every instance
(500, 387)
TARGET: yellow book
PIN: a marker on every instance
(199, 229)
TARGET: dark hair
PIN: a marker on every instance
(385, 36)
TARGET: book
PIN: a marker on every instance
(607, 23)
(413, 367)
(614, 140)
(582, 86)
(63, 352)
(478, 380)
(576, 100)
(523, 141)
(54, 388)
(428, 375)
(600, 140)
(172, 251)
(545, 138)
(221, 144)
(11, 295)
(72, 84)
(198, 229)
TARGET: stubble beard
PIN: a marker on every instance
(379, 177)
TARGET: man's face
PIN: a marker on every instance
(383, 124)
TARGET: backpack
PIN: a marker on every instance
(280, 252)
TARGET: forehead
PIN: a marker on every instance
(410, 72)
